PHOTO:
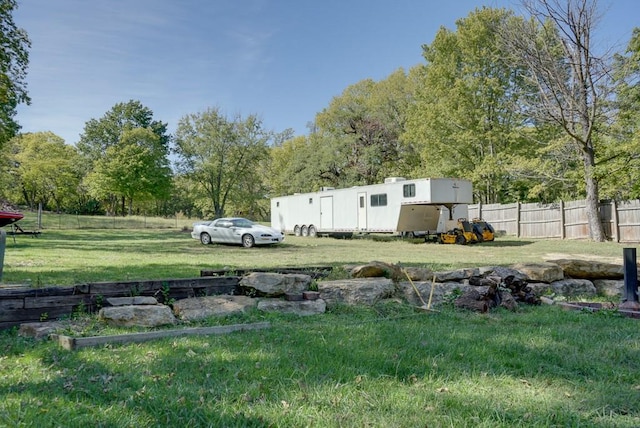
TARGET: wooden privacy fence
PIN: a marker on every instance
(564, 220)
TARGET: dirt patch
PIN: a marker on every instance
(556, 256)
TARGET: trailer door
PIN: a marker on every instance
(362, 211)
(326, 213)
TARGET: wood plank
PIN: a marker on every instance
(71, 343)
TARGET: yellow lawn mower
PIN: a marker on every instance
(468, 232)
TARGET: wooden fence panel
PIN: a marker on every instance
(541, 220)
(628, 221)
(501, 217)
(576, 225)
(565, 220)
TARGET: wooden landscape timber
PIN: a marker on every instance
(72, 343)
(20, 304)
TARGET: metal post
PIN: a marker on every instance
(3, 244)
(630, 280)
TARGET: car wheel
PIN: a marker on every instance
(461, 240)
(205, 238)
(296, 230)
(248, 241)
(312, 231)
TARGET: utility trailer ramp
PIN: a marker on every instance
(423, 218)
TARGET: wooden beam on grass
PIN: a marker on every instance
(72, 343)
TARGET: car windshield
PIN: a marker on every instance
(242, 222)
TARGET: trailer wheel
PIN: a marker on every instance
(296, 230)
(312, 231)
(304, 231)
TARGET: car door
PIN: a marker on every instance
(237, 229)
(221, 231)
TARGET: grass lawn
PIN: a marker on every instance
(67, 257)
(386, 366)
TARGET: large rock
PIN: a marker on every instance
(541, 272)
(376, 269)
(540, 288)
(589, 269)
(137, 315)
(211, 306)
(417, 273)
(271, 284)
(441, 291)
(39, 330)
(456, 275)
(502, 272)
(574, 287)
(610, 287)
(302, 307)
(363, 291)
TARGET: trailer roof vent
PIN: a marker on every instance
(325, 188)
(393, 179)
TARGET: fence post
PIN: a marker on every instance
(614, 219)
(630, 280)
(517, 219)
(563, 233)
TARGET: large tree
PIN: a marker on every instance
(364, 126)
(105, 145)
(572, 82)
(136, 168)
(14, 60)
(621, 178)
(45, 170)
(464, 119)
(223, 156)
(100, 134)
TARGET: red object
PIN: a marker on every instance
(7, 217)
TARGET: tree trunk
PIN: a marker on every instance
(596, 230)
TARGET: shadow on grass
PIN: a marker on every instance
(239, 379)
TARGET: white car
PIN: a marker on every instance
(235, 230)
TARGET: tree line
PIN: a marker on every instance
(526, 108)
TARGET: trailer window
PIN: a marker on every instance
(409, 190)
(379, 200)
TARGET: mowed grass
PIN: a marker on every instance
(67, 257)
(385, 366)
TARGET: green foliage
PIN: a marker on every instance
(619, 154)
(224, 158)
(126, 154)
(14, 60)
(44, 170)
(100, 134)
(363, 127)
(464, 120)
(136, 167)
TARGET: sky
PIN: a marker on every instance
(283, 60)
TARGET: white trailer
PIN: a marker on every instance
(425, 205)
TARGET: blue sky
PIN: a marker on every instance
(283, 60)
